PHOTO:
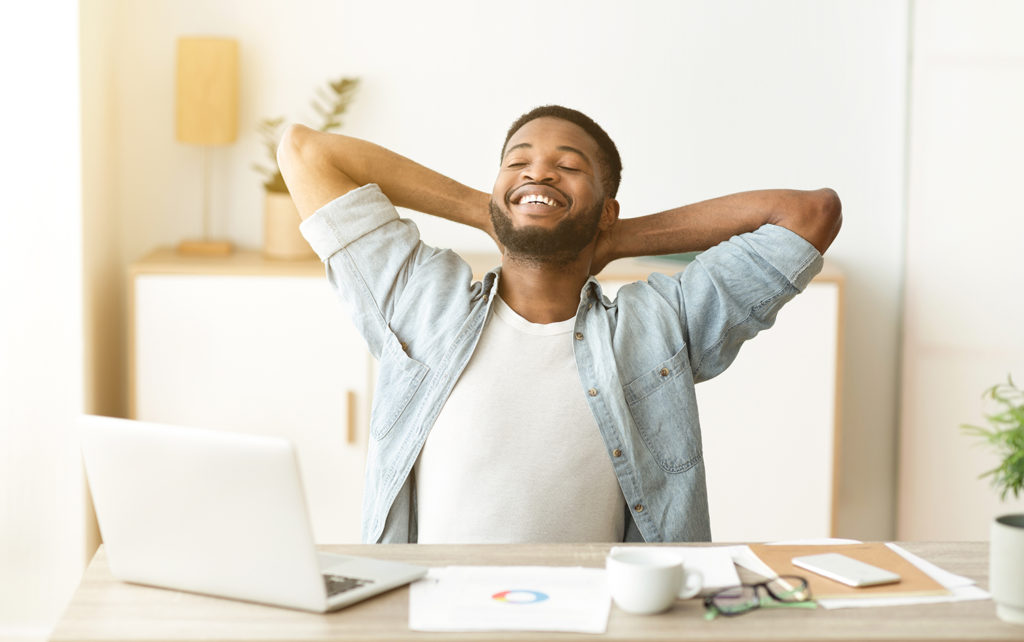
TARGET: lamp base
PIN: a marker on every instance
(205, 248)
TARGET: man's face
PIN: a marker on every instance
(548, 200)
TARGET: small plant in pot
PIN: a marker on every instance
(281, 237)
(1005, 434)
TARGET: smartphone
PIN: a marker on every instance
(847, 570)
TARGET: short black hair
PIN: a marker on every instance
(610, 160)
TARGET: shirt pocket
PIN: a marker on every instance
(663, 407)
(398, 380)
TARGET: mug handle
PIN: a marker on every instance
(692, 586)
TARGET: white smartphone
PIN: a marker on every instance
(847, 570)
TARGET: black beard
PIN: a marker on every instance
(559, 246)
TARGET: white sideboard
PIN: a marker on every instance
(254, 345)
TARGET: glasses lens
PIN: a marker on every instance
(735, 600)
(789, 588)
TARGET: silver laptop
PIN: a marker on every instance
(218, 513)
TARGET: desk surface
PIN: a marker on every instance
(105, 609)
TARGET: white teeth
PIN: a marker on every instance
(537, 198)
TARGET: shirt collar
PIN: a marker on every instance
(591, 289)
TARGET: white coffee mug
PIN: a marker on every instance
(646, 580)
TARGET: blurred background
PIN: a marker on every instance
(910, 110)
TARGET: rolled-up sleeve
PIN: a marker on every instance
(346, 219)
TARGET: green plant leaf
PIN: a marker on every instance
(1005, 436)
(329, 107)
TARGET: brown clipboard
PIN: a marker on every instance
(913, 581)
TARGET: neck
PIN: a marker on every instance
(543, 292)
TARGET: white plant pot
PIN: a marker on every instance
(281, 236)
(1006, 567)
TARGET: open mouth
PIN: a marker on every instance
(538, 198)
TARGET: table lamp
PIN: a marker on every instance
(207, 115)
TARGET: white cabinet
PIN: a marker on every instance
(769, 427)
(263, 346)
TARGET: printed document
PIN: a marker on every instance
(510, 598)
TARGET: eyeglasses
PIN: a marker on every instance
(784, 590)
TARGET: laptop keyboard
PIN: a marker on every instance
(339, 584)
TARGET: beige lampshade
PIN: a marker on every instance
(207, 90)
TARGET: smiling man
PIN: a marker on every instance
(527, 406)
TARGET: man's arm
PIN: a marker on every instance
(319, 167)
(814, 215)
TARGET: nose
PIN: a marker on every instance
(540, 173)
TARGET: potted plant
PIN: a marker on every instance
(281, 237)
(1005, 434)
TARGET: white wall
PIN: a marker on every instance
(42, 497)
(703, 98)
(964, 260)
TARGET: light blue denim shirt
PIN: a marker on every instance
(638, 356)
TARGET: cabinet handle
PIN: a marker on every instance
(350, 433)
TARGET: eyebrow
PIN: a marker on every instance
(561, 148)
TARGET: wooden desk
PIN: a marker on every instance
(106, 609)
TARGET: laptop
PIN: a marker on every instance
(218, 513)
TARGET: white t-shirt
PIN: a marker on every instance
(515, 454)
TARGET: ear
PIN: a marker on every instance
(609, 214)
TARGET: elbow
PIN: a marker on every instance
(827, 218)
(831, 206)
(833, 214)
(290, 149)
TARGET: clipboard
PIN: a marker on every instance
(913, 581)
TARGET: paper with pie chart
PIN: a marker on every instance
(510, 598)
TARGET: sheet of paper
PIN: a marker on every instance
(743, 556)
(940, 575)
(510, 598)
(715, 563)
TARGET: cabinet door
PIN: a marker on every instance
(264, 355)
(768, 426)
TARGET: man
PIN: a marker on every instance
(528, 407)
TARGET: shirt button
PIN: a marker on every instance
(664, 372)
(592, 392)
(617, 452)
(579, 336)
(639, 508)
